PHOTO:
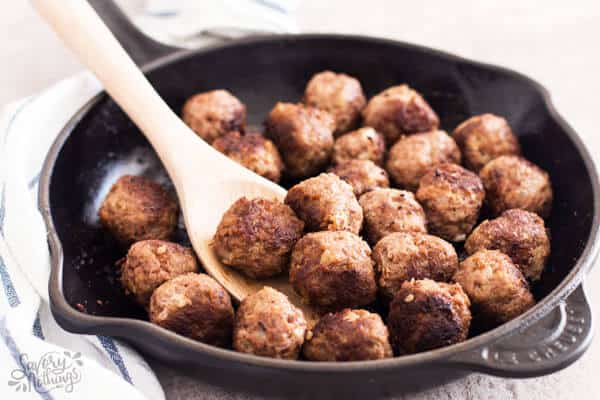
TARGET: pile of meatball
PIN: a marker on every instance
(368, 232)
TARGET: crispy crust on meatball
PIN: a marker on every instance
(256, 237)
(514, 182)
(412, 156)
(348, 335)
(339, 94)
(402, 256)
(213, 114)
(484, 137)
(303, 135)
(426, 315)
(268, 325)
(362, 175)
(333, 270)
(253, 151)
(361, 144)
(136, 209)
(399, 111)
(495, 286)
(196, 306)
(391, 210)
(326, 202)
(150, 263)
(451, 197)
(517, 233)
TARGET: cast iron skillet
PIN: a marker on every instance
(100, 140)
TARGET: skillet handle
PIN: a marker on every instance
(549, 345)
(140, 47)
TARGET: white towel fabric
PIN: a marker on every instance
(38, 359)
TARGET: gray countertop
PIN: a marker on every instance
(556, 43)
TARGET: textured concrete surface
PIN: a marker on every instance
(556, 42)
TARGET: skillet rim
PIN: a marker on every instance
(85, 323)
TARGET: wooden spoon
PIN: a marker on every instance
(206, 181)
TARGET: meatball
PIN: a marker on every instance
(451, 197)
(256, 237)
(361, 144)
(426, 315)
(399, 111)
(268, 325)
(412, 156)
(253, 151)
(326, 202)
(514, 182)
(348, 335)
(304, 137)
(340, 95)
(495, 286)
(391, 210)
(517, 233)
(150, 263)
(136, 209)
(196, 306)
(484, 137)
(213, 114)
(403, 256)
(362, 175)
(333, 270)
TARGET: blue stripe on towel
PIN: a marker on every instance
(16, 355)
(37, 328)
(9, 288)
(272, 5)
(114, 354)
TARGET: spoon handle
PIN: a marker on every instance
(82, 30)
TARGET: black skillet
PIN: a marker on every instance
(261, 71)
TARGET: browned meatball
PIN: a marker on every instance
(256, 237)
(451, 197)
(362, 175)
(150, 263)
(361, 144)
(399, 111)
(412, 156)
(213, 114)
(391, 210)
(403, 256)
(484, 137)
(426, 315)
(136, 209)
(333, 270)
(326, 202)
(495, 286)
(514, 182)
(253, 151)
(348, 335)
(196, 306)
(303, 135)
(340, 95)
(517, 233)
(268, 325)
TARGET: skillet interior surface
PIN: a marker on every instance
(104, 144)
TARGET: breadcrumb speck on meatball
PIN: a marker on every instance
(339, 94)
(495, 286)
(213, 114)
(256, 236)
(399, 111)
(137, 208)
(196, 306)
(333, 270)
(348, 335)
(361, 144)
(150, 263)
(268, 325)
(362, 175)
(517, 233)
(427, 315)
(253, 151)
